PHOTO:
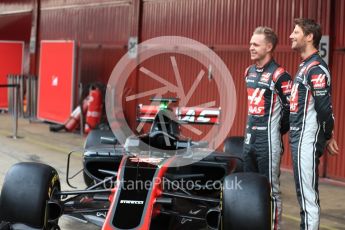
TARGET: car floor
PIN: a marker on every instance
(37, 144)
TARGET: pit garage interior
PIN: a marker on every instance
(96, 34)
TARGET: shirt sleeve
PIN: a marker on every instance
(283, 88)
(319, 80)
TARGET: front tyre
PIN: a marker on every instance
(246, 202)
(27, 189)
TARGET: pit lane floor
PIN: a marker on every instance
(39, 145)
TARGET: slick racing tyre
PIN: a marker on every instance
(246, 202)
(234, 145)
(27, 189)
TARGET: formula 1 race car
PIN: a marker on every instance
(131, 186)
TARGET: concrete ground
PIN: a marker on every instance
(39, 145)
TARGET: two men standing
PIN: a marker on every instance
(275, 105)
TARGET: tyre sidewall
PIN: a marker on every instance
(246, 202)
(25, 193)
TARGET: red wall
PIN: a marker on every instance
(227, 26)
(15, 27)
(335, 165)
(101, 31)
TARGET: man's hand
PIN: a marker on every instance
(332, 146)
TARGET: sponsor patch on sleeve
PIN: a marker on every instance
(286, 87)
(320, 93)
(294, 99)
(318, 81)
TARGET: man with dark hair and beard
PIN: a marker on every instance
(311, 119)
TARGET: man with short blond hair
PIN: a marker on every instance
(268, 89)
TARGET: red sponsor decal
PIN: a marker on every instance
(265, 77)
(286, 87)
(294, 99)
(277, 73)
(148, 112)
(184, 114)
(150, 160)
(318, 81)
(252, 75)
(256, 102)
(198, 115)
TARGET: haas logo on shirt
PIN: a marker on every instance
(256, 102)
(286, 87)
(318, 81)
(265, 77)
(294, 99)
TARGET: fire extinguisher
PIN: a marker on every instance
(94, 109)
(74, 120)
